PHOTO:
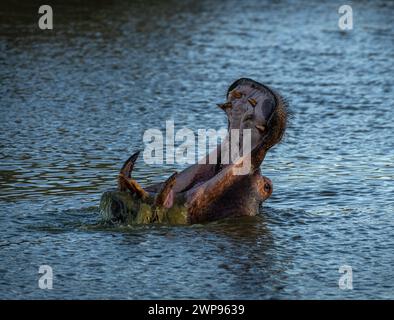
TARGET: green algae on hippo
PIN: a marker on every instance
(207, 192)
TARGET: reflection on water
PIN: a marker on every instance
(75, 103)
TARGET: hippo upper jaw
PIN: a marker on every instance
(254, 106)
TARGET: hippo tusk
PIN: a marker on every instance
(125, 171)
(164, 199)
(133, 186)
(128, 166)
(166, 192)
(260, 128)
(124, 179)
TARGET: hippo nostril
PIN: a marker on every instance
(267, 187)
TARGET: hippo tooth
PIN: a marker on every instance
(260, 128)
(225, 106)
(236, 94)
(252, 101)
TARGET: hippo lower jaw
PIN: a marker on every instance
(227, 194)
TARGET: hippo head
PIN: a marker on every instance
(252, 105)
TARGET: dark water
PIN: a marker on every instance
(75, 102)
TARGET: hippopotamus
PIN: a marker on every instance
(209, 191)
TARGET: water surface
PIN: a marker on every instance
(75, 102)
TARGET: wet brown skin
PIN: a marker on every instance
(213, 191)
(228, 199)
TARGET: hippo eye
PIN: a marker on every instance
(267, 187)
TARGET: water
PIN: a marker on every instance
(75, 102)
